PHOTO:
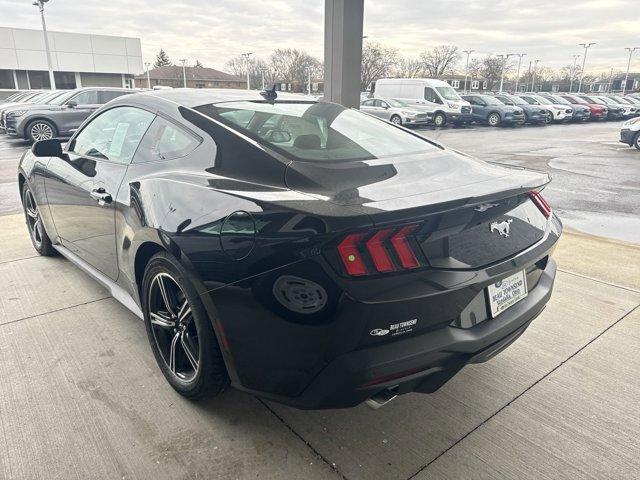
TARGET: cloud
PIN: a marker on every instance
(212, 31)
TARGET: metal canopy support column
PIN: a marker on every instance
(343, 21)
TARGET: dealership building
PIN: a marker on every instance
(78, 60)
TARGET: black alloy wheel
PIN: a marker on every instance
(37, 232)
(180, 332)
(174, 330)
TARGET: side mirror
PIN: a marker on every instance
(47, 148)
(72, 104)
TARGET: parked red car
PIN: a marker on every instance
(598, 112)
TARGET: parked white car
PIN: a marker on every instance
(434, 96)
(559, 113)
(630, 132)
(396, 111)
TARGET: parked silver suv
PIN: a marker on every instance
(61, 116)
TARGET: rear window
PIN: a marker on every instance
(317, 131)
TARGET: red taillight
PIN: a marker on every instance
(540, 202)
(379, 247)
(403, 249)
(378, 252)
(350, 256)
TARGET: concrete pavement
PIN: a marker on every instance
(82, 397)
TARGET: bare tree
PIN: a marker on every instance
(408, 68)
(377, 61)
(440, 60)
(491, 69)
(257, 69)
(293, 66)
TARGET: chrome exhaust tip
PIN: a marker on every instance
(380, 399)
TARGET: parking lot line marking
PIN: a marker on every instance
(599, 281)
(308, 444)
(18, 259)
(485, 421)
(54, 311)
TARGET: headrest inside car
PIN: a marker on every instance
(307, 142)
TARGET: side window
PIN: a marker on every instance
(383, 104)
(165, 141)
(431, 96)
(113, 135)
(88, 97)
(107, 95)
(368, 103)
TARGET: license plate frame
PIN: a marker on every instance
(506, 292)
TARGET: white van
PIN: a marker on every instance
(433, 95)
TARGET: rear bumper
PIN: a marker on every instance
(428, 360)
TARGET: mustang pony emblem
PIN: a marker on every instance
(501, 227)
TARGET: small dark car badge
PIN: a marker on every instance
(501, 227)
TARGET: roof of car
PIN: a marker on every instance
(193, 97)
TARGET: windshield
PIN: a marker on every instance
(543, 101)
(606, 100)
(448, 93)
(318, 131)
(62, 98)
(49, 96)
(505, 100)
(490, 100)
(559, 100)
(39, 96)
(28, 97)
(396, 103)
(590, 99)
(518, 101)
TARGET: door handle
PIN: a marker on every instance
(101, 196)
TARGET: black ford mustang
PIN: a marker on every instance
(304, 252)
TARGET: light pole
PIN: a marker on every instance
(533, 80)
(466, 69)
(246, 58)
(626, 76)
(184, 72)
(573, 71)
(146, 64)
(584, 60)
(504, 61)
(520, 55)
(40, 5)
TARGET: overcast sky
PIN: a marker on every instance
(215, 30)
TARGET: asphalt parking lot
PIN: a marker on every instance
(82, 397)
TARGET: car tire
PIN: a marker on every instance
(39, 238)
(396, 120)
(636, 141)
(494, 119)
(439, 120)
(41, 130)
(181, 334)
